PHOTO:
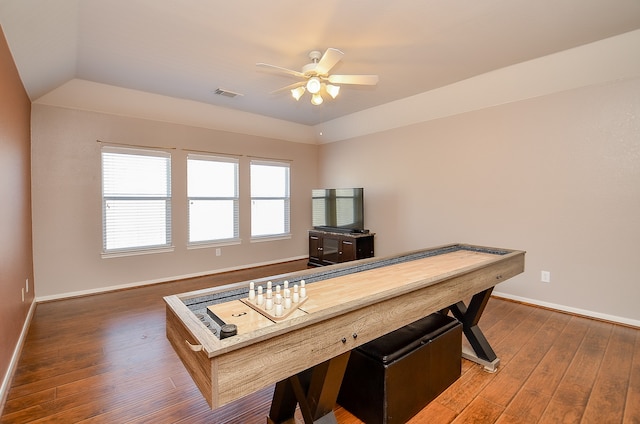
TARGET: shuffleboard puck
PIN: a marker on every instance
(228, 330)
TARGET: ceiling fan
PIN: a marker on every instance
(316, 76)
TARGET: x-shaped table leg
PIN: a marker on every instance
(315, 390)
(469, 316)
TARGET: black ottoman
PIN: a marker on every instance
(393, 377)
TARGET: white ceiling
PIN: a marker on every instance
(188, 48)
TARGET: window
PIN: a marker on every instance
(212, 188)
(136, 199)
(269, 198)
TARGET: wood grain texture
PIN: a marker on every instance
(105, 359)
(613, 377)
(371, 303)
(632, 404)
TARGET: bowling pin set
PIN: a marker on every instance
(276, 302)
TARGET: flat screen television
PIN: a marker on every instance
(338, 209)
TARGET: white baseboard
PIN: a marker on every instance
(576, 311)
(13, 364)
(163, 280)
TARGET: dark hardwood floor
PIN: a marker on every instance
(105, 359)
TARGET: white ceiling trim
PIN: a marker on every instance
(596, 63)
(607, 60)
(95, 97)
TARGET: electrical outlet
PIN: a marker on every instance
(218, 251)
(545, 276)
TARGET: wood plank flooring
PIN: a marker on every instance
(105, 359)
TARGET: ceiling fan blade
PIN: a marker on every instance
(280, 69)
(289, 87)
(353, 79)
(328, 60)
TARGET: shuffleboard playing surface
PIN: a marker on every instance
(349, 288)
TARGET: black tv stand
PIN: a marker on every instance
(337, 230)
(328, 247)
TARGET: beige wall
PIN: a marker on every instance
(557, 176)
(67, 218)
(553, 169)
(15, 211)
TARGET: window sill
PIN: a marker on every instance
(136, 252)
(270, 238)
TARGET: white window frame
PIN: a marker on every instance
(235, 238)
(286, 198)
(127, 196)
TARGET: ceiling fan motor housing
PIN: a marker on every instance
(310, 68)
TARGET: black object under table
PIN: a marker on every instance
(391, 378)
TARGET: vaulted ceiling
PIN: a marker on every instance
(187, 49)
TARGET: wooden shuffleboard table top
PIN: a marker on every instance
(349, 289)
(354, 303)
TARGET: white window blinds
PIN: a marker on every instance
(136, 199)
(269, 198)
(212, 189)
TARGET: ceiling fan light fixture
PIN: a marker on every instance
(297, 92)
(313, 85)
(333, 90)
(317, 78)
(316, 99)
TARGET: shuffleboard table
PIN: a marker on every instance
(305, 353)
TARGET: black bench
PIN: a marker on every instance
(393, 377)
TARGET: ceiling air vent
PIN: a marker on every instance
(226, 93)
